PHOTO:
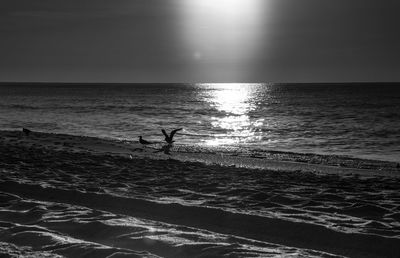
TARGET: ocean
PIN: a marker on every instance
(355, 120)
(68, 195)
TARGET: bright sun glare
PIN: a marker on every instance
(236, 101)
(232, 98)
(227, 7)
(222, 32)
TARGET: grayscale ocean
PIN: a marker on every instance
(259, 170)
(355, 120)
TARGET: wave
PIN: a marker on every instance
(19, 106)
(94, 194)
(82, 222)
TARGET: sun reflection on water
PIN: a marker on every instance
(232, 98)
(234, 103)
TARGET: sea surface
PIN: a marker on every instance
(66, 195)
(356, 120)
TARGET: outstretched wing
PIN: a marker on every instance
(174, 132)
(165, 133)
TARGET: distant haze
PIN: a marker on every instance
(199, 40)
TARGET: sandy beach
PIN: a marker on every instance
(199, 128)
(73, 196)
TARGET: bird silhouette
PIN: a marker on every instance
(144, 142)
(166, 149)
(168, 138)
(26, 131)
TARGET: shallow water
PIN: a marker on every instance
(59, 198)
(359, 120)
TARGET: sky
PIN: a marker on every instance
(199, 40)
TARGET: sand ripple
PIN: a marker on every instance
(348, 204)
(48, 229)
(343, 203)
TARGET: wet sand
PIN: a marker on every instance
(72, 196)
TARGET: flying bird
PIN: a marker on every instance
(144, 142)
(26, 131)
(168, 138)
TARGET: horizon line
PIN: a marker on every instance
(126, 83)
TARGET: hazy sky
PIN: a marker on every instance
(200, 40)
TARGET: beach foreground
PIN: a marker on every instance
(72, 196)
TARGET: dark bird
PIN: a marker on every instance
(168, 138)
(26, 131)
(166, 149)
(144, 142)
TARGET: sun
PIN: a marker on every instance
(225, 8)
(221, 32)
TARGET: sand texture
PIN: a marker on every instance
(71, 196)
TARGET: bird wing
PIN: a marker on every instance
(174, 131)
(165, 133)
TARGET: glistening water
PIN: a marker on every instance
(358, 120)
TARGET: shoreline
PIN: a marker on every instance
(251, 159)
(248, 226)
(57, 186)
